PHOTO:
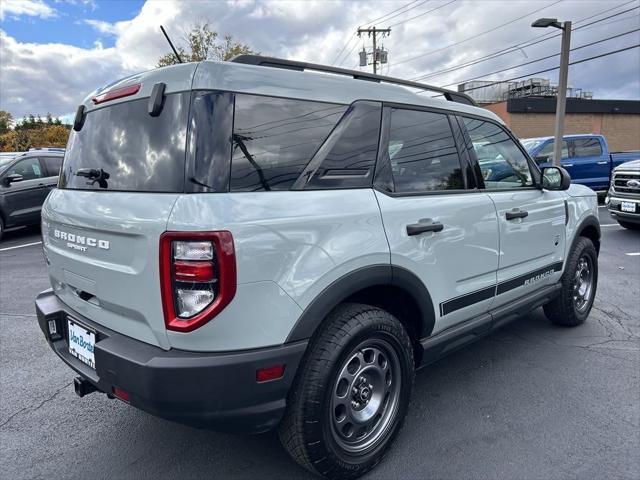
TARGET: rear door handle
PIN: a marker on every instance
(603, 163)
(418, 228)
(515, 213)
(568, 165)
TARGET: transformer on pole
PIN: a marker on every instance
(378, 55)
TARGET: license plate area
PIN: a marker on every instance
(82, 341)
(629, 207)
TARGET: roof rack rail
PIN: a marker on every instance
(47, 149)
(259, 60)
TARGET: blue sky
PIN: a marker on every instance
(67, 24)
(53, 53)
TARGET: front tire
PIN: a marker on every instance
(579, 284)
(351, 393)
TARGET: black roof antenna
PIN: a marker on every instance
(175, 52)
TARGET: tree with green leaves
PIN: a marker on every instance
(5, 121)
(202, 43)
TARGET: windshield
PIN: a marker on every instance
(530, 144)
(122, 147)
(4, 160)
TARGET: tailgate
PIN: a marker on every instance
(103, 254)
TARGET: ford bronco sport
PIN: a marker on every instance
(264, 244)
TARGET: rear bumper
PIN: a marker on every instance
(213, 390)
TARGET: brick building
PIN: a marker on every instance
(617, 120)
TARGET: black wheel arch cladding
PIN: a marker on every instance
(359, 281)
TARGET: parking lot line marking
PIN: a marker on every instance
(633, 254)
(19, 246)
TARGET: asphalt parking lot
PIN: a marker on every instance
(532, 401)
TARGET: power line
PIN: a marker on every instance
(526, 43)
(477, 35)
(350, 52)
(392, 11)
(545, 58)
(378, 20)
(606, 54)
(424, 13)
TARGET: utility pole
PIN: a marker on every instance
(373, 32)
(562, 81)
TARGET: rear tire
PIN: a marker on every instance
(629, 225)
(351, 393)
(579, 284)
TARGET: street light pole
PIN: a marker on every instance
(561, 102)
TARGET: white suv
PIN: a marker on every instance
(255, 244)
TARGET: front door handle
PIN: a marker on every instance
(603, 163)
(418, 228)
(567, 165)
(516, 213)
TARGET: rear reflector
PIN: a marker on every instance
(193, 271)
(269, 373)
(121, 394)
(117, 93)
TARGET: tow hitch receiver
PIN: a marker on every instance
(83, 387)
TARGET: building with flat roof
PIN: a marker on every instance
(528, 107)
(617, 120)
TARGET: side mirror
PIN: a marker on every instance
(555, 178)
(13, 178)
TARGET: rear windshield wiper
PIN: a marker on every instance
(96, 176)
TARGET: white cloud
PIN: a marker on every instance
(317, 32)
(102, 26)
(31, 8)
(38, 78)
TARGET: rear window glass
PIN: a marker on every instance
(275, 138)
(122, 147)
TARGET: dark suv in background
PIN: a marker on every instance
(25, 181)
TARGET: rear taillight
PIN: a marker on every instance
(197, 277)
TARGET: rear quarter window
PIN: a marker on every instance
(275, 138)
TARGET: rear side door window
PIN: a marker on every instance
(275, 138)
(586, 147)
(422, 152)
(502, 164)
(53, 165)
